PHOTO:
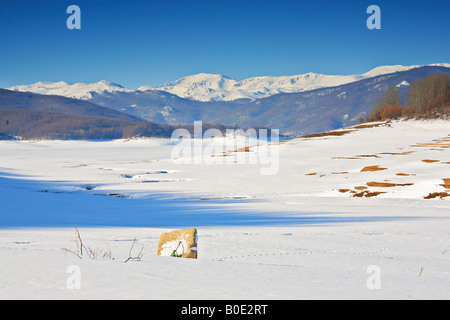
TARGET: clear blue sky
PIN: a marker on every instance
(150, 42)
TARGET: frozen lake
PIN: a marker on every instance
(28, 203)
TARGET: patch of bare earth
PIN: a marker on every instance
(430, 161)
(372, 169)
(388, 184)
(367, 194)
(446, 184)
(440, 195)
(398, 153)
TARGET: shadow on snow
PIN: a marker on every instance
(31, 203)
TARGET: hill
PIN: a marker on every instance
(297, 113)
(35, 124)
(58, 104)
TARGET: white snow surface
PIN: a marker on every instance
(321, 244)
(216, 87)
(77, 91)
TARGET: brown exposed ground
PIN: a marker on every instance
(327, 134)
(245, 149)
(446, 184)
(440, 195)
(346, 158)
(398, 153)
(367, 194)
(280, 142)
(364, 193)
(227, 153)
(436, 145)
(368, 156)
(372, 169)
(372, 125)
(388, 184)
(341, 132)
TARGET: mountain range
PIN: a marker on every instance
(301, 104)
(215, 87)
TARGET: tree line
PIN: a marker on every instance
(426, 99)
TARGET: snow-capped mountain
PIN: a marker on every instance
(77, 91)
(298, 112)
(216, 87)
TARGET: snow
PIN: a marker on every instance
(216, 87)
(208, 87)
(290, 235)
(403, 83)
(77, 90)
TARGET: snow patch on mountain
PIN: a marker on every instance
(77, 91)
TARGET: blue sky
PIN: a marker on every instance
(150, 42)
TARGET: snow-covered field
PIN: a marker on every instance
(342, 217)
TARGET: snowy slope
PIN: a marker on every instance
(216, 87)
(77, 90)
(292, 235)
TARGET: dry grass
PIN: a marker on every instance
(87, 251)
(327, 134)
(366, 126)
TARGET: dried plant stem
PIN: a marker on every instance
(138, 257)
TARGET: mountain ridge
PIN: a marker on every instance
(215, 87)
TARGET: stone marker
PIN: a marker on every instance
(178, 243)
